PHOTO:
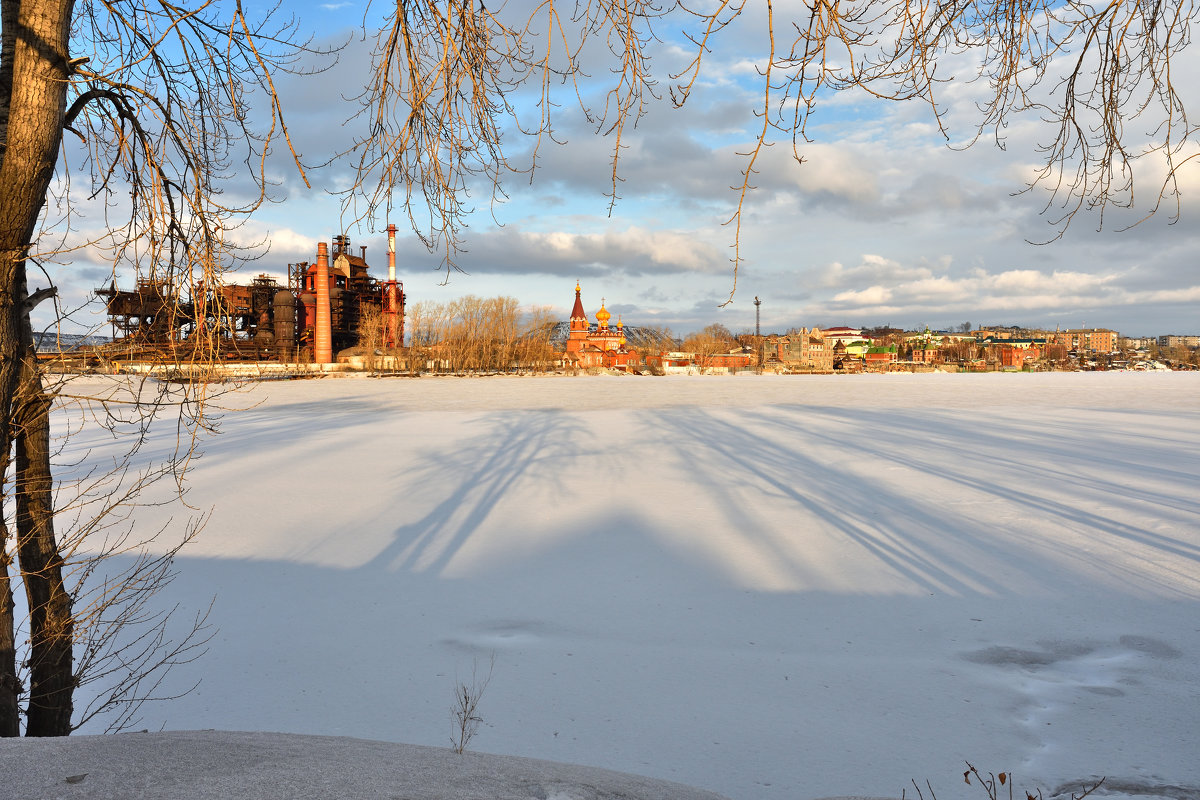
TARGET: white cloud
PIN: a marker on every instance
(916, 292)
(632, 250)
(874, 295)
(624, 248)
(871, 269)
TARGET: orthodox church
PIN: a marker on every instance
(599, 346)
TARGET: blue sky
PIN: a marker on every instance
(883, 224)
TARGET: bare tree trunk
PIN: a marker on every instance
(10, 720)
(51, 623)
(34, 57)
(9, 684)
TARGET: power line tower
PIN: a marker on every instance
(758, 343)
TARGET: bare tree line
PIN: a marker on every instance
(476, 334)
(708, 342)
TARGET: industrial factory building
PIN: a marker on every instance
(319, 313)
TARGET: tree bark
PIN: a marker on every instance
(10, 720)
(51, 623)
(34, 76)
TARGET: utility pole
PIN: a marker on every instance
(758, 336)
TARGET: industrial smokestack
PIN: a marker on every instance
(323, 335)
(391, 252)
(391, 300)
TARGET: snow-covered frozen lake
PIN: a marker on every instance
(769, 587)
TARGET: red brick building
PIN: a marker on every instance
(729, 362)
(1019, 357)
(602, 346)
(879, 358)
(1093, 340)
(1018, 353)
(926, 353)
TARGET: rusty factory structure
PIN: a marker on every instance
(316, 315)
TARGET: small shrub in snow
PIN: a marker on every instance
(466, 704)
(992, 785)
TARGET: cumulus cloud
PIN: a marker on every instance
(873, 295)
(1031, 296)
(632, 251)
(829, 171)
(871, 269)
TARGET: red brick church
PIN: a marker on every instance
(602, 346)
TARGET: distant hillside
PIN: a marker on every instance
(638, 338)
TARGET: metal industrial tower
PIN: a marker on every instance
(758, 337)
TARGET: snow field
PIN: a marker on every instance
(769, 587)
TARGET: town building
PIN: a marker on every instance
(926, 352)
(803, 350)
(733, 361)
(1092, 340)
(842, 334)
(925, 347)
(670, 362)
(879, 358)
(1014, 353)
(600, 346)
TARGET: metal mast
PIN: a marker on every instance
(758, 348)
